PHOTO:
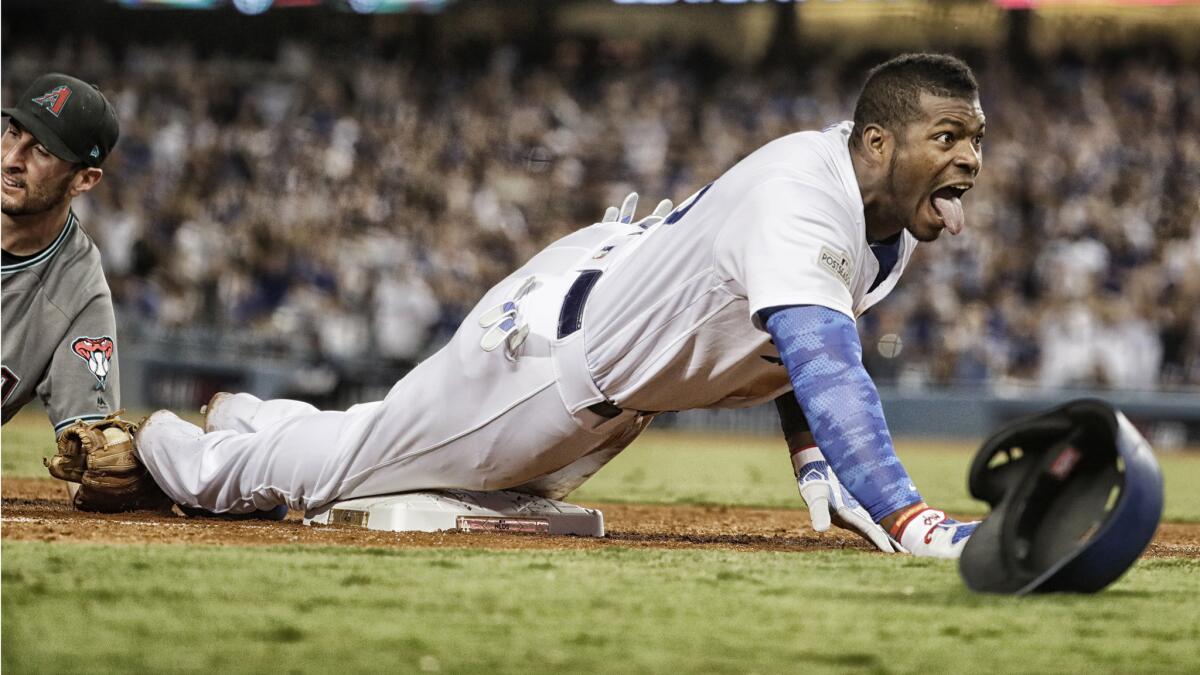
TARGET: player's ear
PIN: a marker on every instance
(85, 179)
(875, 142)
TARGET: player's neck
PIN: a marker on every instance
(877, 212)
(28, 234)
(881, 226)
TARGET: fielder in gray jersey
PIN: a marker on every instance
(59, 332)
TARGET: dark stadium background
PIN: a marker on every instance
(305, 202)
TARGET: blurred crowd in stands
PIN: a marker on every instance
(344, 207)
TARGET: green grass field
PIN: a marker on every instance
(71, 607)
(175, 609)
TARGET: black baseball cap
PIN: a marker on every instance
(70, 117)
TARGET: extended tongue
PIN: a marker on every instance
(951, 211)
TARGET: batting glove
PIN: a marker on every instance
(829, 503)
(629, 206)
(928, 533)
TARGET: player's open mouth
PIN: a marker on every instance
(947, 204)
(10, 183)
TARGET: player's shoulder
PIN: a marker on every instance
(816, 161)
(77, 271)
(81, 254)
(794, 152)
(804, 171)
(817, 141)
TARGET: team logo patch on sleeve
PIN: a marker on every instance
(98, 352)
(838, 264)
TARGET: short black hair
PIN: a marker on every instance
(890, 97)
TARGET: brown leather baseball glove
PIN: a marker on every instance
(100, 456)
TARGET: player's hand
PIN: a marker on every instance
(928, 533)
(629, 206)
(830, 503)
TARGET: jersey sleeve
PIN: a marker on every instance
(792, 244)
(83, 380)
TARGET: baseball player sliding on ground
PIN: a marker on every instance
(747, 292)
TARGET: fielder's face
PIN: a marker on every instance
(935, 161)
(34, 180)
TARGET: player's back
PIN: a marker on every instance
(668, 326)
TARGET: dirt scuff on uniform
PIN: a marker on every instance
(38, 510)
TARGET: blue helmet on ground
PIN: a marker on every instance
(1076, 496)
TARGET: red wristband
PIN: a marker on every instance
(905, 517)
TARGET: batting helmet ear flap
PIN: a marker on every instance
(1073, 512)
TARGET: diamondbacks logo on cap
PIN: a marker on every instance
(55, 99)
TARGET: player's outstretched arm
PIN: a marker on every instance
(828, 501)
(821, 350)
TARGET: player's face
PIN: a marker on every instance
(936, 160)
(34, 180)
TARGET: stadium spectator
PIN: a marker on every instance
(368, 202)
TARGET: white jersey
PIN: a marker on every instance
(672, 326)
(522, 396)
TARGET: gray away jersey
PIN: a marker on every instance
(60, 339)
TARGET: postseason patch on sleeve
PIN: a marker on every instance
(838, 264)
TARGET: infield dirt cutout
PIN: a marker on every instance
(37, 509)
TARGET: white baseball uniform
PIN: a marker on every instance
(622, 323)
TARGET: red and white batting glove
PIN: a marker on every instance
(928, 533)
(830, 503)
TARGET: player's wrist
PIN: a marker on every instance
(805, 455)
(930, 533)
(895, 522)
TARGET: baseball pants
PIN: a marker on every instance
(465, 418)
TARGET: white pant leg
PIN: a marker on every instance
(291, 462)
(463, 418)
(566, 480)
(310, 460)
(248, 413)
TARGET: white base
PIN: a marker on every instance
(434, 511)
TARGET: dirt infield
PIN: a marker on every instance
(37, 509)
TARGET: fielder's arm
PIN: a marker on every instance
(82, 381)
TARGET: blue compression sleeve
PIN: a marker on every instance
(823, 355)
